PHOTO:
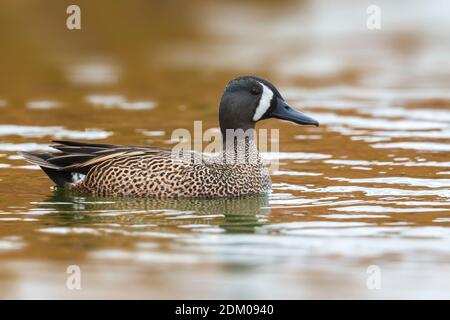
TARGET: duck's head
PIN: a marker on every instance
(249, 99)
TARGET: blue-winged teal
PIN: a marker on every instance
(118, 170)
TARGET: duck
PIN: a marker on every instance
(155, 172)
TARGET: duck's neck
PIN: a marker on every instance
(239, 146)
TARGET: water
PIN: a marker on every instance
(370, 186)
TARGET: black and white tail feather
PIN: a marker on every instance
(73, 160)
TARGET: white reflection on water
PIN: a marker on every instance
(56, 132)
(388, 163)
(369, 139)
(63, 230)
(428, 146)
(94, 73)
(293, 155)
(304, 240)
(11, 243)
(419, 182)
(115, 101)
(369, 191)
(354, 216)
(24, 147)
(43, 104)
(377, 123)
(349, 96)
(152, 133)
(385, 209)
(18, 219)
(295, 173)
(443, 134)
(361, 168)
(408, 113)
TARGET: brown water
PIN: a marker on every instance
(370, 186)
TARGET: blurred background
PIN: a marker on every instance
(370, 186)
(138, 46)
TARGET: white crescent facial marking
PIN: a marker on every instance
(264, 102)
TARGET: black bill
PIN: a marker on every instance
(284, 112)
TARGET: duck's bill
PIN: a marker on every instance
(284, 112)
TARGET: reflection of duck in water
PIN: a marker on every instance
(112, 170)
(232, 214)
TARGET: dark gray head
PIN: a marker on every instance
(249, 99)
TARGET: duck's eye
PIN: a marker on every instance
(255, 90)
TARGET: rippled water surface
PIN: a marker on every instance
(370, 186)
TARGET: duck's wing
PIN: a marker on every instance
(74, 157)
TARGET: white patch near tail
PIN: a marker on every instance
(77, 177)
(264, 102)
